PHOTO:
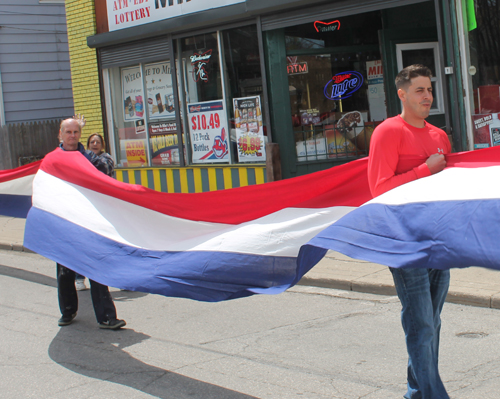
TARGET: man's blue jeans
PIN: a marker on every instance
(422, 293)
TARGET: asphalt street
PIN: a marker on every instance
(309, 342)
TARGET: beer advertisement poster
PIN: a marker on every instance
(164, 143)
(249, 130)
(208, 132)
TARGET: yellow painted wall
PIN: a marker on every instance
(80, 17)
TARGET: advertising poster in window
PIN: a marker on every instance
(249, 130)
(135, 151)
(376, 92)
(160, 91)
(164, 143)
(208, 132)
(486, 130)
(133, 101)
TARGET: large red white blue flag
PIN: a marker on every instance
(260, 239)
(447, 220)
(208, 246)
(15, 190)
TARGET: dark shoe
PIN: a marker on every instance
(66, 320)
(112, 324)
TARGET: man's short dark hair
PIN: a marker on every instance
(403, 80)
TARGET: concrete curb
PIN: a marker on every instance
(15, 247)
(461, 297)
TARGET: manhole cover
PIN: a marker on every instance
(471, 334)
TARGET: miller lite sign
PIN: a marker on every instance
(343, 85)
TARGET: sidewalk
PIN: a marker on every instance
(472, 286)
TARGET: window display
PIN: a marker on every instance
(220, 107)
(335, 107)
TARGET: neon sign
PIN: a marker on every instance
(199, 61)
(297, 68)
(343, 85)
(321, 26)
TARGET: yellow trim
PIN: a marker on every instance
(243, 174)
(197, 177)
(259, 176)
(170, 180)
(228, 180)
(183, 179)
(156, 179)
(198, 185)
(212, 179)
(131, 176)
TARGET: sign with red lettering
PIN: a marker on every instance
(321, 26)
(343, 85)
(208, 132)
(127, 13)
(375, 72)
(136, 152)
(297, 68)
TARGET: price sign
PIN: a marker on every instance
(208, 131)
(249, 131)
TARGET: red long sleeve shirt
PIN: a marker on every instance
(398, 152)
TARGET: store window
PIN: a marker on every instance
(218, 102)
(482, 69)
(223, 104)
(336, 89)
(143, 115)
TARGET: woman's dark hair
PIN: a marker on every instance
(100, 137)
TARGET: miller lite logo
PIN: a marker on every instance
(343, 85)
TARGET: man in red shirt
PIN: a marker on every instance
(402, 149)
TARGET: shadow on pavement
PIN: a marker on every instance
(84, 349)
(28, 276)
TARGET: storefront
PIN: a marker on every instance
(193, 95)
(478, 32)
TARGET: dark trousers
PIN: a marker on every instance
(104, 307)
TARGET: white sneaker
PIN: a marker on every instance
(80, 285)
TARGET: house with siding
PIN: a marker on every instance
(35, 74)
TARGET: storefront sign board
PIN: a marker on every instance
(127, 13)
(208, 132)
(249, 130)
